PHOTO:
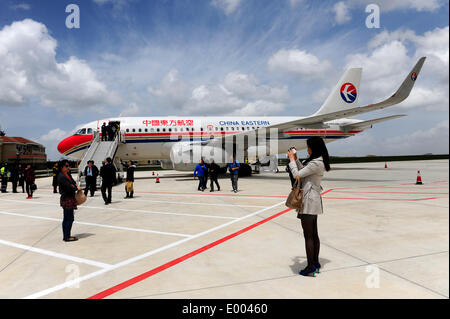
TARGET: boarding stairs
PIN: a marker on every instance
(98, 152)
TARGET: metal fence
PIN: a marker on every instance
(49, 172)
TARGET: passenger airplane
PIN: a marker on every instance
(165, 138)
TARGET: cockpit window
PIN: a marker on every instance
(89, 131)
(81, 132)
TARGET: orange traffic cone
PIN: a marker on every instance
(157, 179)
(419, 179)
(153, 173)
(385, 165)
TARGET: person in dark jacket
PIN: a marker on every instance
(108, 174)
(30, 177)
(111, 128)
(67, 188)
(90, 173)
(55, 172)
(104, 132)
(200, 171)
(14, 178)
(22, 177)
(213, 173)
(129, 187)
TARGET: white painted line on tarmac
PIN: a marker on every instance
(145, 255)
(179, 203)
(56, 255)
(124, 210)
(98, 225)
(193, 203)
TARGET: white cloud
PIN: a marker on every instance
(172, 88)
(29, 69)
(429, 99)
(433, 140)
(342, 14)
(228, 6)
(392, 5)
(298, 62)
(247, 87)
(295, 3)
(419, 5)
(383, 68)
(260, 108)
(389, 60)
(21, 6)
(51, 141)
(115, 3)
(133, 109)
(54, 135)
(238, 93)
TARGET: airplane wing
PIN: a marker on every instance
(365, 124)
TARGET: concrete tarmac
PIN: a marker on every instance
(381, 235)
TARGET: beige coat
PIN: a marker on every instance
(310, 178)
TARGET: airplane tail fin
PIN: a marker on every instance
(345, 94)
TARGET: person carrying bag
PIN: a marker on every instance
(306, 197)
(295, 198)
(71, 196)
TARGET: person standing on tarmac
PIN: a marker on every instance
(4, 176)
(21, 177)
(30, 177)
(213, 173)
(234, 167)
(108, 174)
(14, 178)
(129, 187)
(90, 173)
(55, 172)
(67, 188)
(200, 172)
(310, 172)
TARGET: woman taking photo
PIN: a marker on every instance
(310, 173)
(67, 188)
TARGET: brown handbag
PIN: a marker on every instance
(80, 197)
(295, 198)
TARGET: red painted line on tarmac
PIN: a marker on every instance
(390, 193)
(328, 191)
(407, 187)
(174, 262)
(383, 199)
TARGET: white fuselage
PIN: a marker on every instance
(152, 138)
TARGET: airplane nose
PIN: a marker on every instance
(64, 145)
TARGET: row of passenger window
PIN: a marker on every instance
(152, 130)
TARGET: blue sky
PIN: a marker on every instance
(217, 57)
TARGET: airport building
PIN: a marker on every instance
(22, 150)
